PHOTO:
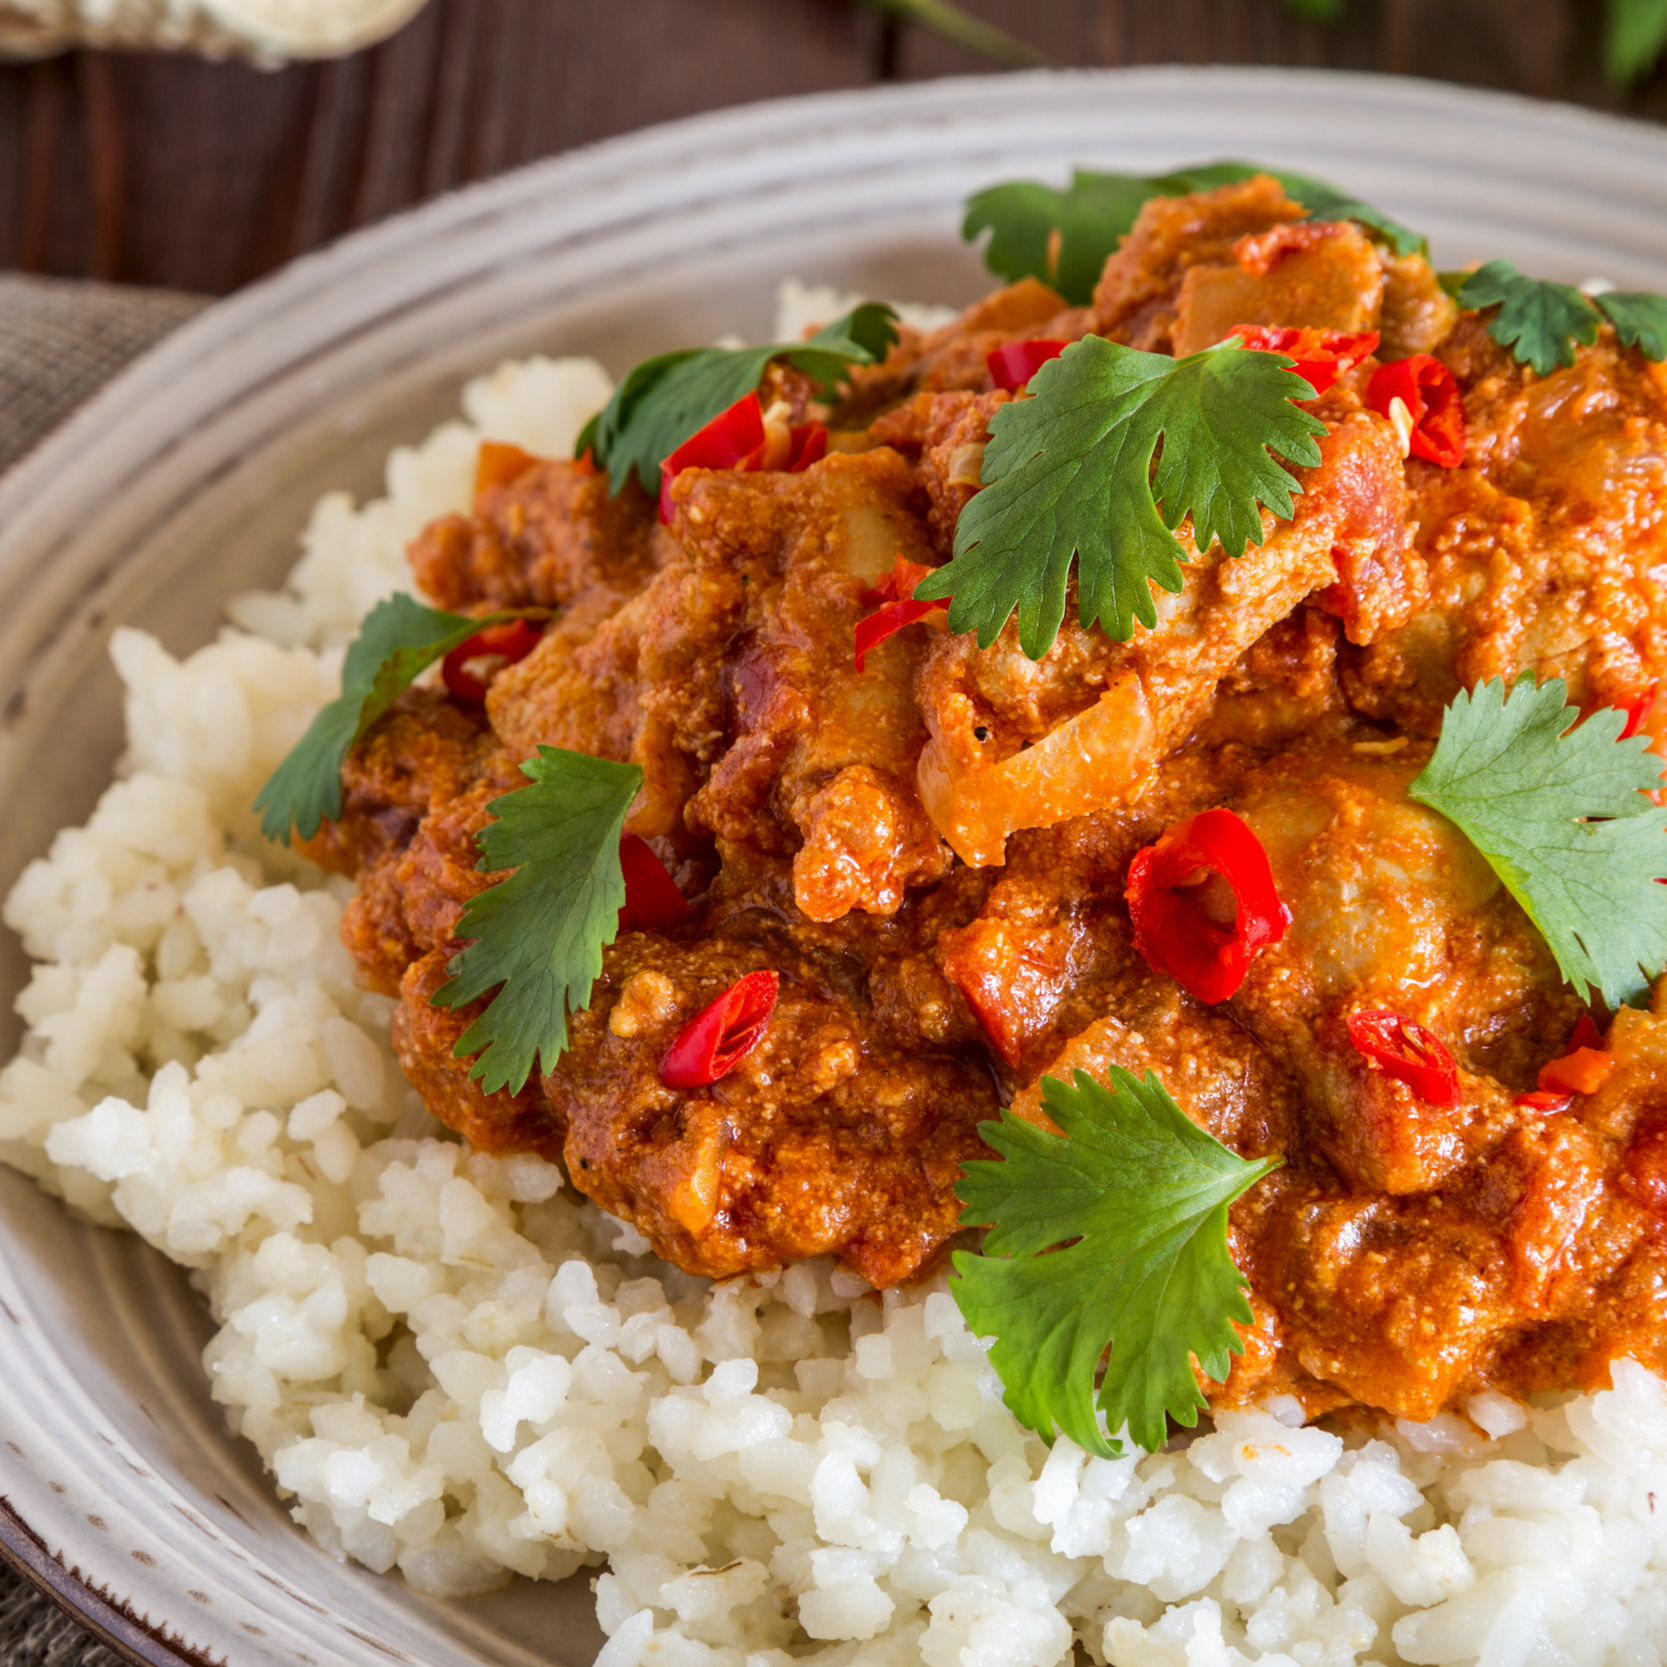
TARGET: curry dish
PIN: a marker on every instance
(933, 855)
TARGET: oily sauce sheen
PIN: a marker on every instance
(947, 931)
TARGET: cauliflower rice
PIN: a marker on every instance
(457, 1367)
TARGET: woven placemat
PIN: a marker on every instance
(59, 342)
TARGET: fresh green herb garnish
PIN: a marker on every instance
(1640, 320)
(1541, 322)
(1064, 237)
(1131, 1209)
(1069, 477)
(399, 639)
(539, 933)
(665, 400)
(1560, 815)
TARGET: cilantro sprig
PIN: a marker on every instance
(538, 934)
(399, 639)
(1115, 1234)
(1069, 478)
(1560, 814)
(1064, 237)
(1542, 322)
(666, 399)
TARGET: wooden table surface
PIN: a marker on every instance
(166, 170)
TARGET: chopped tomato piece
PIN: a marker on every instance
(1014, 363)
(719, 1037)
(471, 666)
(652, 901)
(1258, 253)
(1430, 414)
(809, 445)
(1321, 355)
(1584, 1066)
(1203, 903)
(499, 464)
(1407, 1052)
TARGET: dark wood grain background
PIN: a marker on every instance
(166, 170)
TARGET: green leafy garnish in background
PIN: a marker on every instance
(1115, 1234)
(1542, 322)
(399, 639)
(1561, 816)
(964, 29)
(1634, 31)
(1634, 36)
(1069, 478)
(665, 400)
(539, 933)
(1064, 237)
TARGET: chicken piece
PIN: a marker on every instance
(947, 433)
(1322, 273)
(826, 1139)
(426, 751)
(1545, 550)
(552, 537)
(1016, 743)
(818, 757)
(1392, 908)
(1137, 300)
(424, 1036)
(953, 356)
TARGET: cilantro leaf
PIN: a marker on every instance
(1561, 817)
(1635, 34)
(1538, 320)
(1061, 237)
(1069, 476)
(399, 639)
(665, 400)
(539, 933)
(1138, 1195)
(1064, 237)
(1640, 320)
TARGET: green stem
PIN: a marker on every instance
(948, 20)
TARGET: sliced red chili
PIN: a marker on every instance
(809, 445)
(652, 901)
(1434, 407)
(1014, 363)
(1546, 1105)
(718, 1038)
(1407, 1052)
(498, 646)
(1203, 903)
(1321, 355)
(734, 439)
(1638, 710)
(1583, 1067)
(499, 464)
(898, 607)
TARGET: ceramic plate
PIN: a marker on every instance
(189, 478)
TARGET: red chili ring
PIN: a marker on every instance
(720, 1036)
(1166, 901)
(513, 640)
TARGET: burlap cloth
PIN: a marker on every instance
(58, 342)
